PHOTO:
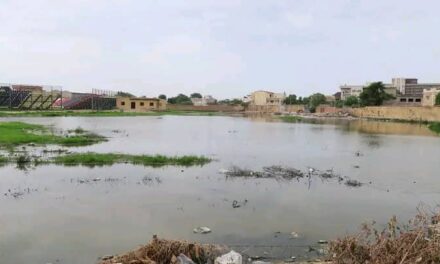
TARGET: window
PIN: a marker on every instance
(142, 103)
(410, 100)
(403, 100)
(151, 104)
(122, 103)
(418, 100)
(133, 105)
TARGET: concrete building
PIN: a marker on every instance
(204, 101)
(266, 98)
(140, 104)
(350, 90)
(429, 96)
(405, 90)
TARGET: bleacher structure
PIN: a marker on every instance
(26, 97)
(97, 100)
(30, 98)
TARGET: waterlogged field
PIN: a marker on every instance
(252, 181)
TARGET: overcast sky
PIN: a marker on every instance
(225, 48)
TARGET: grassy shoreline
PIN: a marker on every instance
(107, 159)
(435, 127)
(92, 159)
(18, 133)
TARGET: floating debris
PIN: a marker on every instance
(237, 204)
(353, 183)
(287, 173)
(294, 235)
(202, 230)
(283, 172)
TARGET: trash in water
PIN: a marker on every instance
(237, 204)
(202, 230)
(294, 235)
(230, 258)
(283, 172)
(161, 251)
(268, 172)
(322, 241)
(353, 183)
(182, 259)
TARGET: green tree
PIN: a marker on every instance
(437, 99)
(291, 100)
(315, 100)
(196, 95)
(163, 97)
(180, 99)
(373, 95)
(351, 101)
(339, 103)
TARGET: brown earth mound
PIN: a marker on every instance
(161, 251)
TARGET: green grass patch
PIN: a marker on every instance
(109, 113)
(291, 119)
(19, 133)
(435, 126)
(103, 159)
(3, 160)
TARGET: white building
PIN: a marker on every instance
(204, 101)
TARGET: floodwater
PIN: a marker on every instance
(68, 218)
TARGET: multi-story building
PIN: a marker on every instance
(266, 98)
(405, 90)
(350, 90)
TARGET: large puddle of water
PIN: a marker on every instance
(68, 218)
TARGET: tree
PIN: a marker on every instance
(351, 101)
(291, 100)
(437, 99)
(315, 100)
(374, 94)
(163, 97)
(231, 101)
(180, 99)
(196, 95)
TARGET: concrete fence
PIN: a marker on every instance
(421, 113)
(207, 108)
(275, 108)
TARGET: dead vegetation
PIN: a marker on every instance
(161, 251)
(288, 173)
(415, 242)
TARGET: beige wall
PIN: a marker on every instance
(429, 96)
(264, 98)
(260, 98)
(140, 105)
(399, 112)
(275, 108)
(209, 108)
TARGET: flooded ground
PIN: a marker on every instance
(65, 216)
